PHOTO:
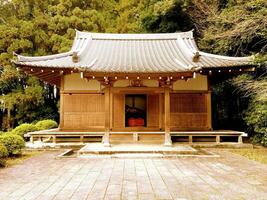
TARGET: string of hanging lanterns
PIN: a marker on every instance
(138, 77)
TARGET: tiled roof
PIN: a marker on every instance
(134, 53)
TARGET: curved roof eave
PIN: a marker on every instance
(134, 53)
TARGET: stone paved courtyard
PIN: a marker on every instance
(44, 177)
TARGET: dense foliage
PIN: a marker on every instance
(240, 29)
(3, 151)
(14, 143)
(3, 154)
(23, 129)
(46, 124)
(235, 28)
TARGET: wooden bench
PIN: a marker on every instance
(54, 133)
(137, 133)
(217, 134)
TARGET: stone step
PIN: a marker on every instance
(99, 149)
(137, 138)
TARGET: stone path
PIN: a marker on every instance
(43, 177)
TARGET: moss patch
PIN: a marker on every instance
(16, 160)
(259, 155)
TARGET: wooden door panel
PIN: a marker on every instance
(153, 111)
(118, 111)
(189, 111)
(83, 111)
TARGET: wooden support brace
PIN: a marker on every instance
(81, 138)
(190, 139)
(135, 137)
(218, 139)
(240, 139)
(168, 140)
(54, 139)
(105, 139)
(31, 139)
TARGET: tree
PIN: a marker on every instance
(239, 28)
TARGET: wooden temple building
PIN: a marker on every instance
(134, 83)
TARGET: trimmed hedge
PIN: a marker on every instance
(3, 151)
(3, 154)
(46, 124)
(13, 143)
(23, 129)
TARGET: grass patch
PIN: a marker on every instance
(259, 155)
(16, 160)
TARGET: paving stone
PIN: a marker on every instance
(43, 177)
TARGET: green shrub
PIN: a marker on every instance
(46, 124)
(3, 154)
(3, 151)
(264, 140)
(13, 143)
(256, 118)
(24, 128)
(2, 162)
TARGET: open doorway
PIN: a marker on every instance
(135, 110)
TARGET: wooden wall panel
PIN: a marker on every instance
(118, 111)
(189, 112)
(153, 111)
(189, 121)
(188, 103)
(83, 111)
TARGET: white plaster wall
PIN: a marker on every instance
(150, 83)
(198, 83)
(75, 82)
(126, 83)
(121, 83)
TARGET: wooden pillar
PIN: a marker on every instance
(209, 105)
(81, 138)
(32, 139)
(160, 111)
(54, 139)
(61, 108)
(209, 120)
(218, 139)
(190, 139)
(107, 117)
(240, 140)
(167, 116)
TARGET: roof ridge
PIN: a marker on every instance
(21, 58)
(134, 36)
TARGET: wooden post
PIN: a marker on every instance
(54, 139)
(167, 116)
(81, 138)
(107, 117)
(209, 106)
(61, 108)
(240, 140)
(135, 137)
(218, 139)
(160, 111)
(190, 139)
(32, 139)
